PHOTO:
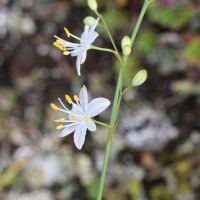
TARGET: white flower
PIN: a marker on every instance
(75, 49)
(80, 115)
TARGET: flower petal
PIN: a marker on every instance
(91, 37)
(83, 96)
(91, 125)
(94, 25)
(78, 63)
(83, 56)
(97, 106)
(66, 131)
(84, 34)
(79, 135)
(76, 112)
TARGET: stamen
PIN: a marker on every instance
(78, 107)
(57, 45)
(76, 98)
(77, 37)
(67, 32)
(68, 99)
(59, 41)
(69, 43)
(74, 117)
(59, 120)
(59, 127)
(64, 49)
(54, 106)
(66, 53)
(62, 104)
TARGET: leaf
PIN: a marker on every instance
(175, 17)
(192, 51)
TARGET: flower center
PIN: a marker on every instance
(86, 118)
(87, 46)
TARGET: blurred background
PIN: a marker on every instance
(155, 153)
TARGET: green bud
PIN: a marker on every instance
(89, 20)
(126, 50)
(92, 4)
(125, 41)
(139, 78)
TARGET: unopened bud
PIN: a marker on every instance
(139, 78)
(92, 4)
(125, 41)
(89, 20)
(126, 50)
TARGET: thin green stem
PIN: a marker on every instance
(117, 98)
(102, 49)
(111, 39)
(103, 124)
(129, 87)
(105, 49)
(109, 139)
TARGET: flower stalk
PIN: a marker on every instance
(101, 123)
(118, 96)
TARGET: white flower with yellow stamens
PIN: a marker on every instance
(80, 115)
(75, 49)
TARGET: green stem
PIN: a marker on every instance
(102, 49)
(117, 99)
(105, 49)
(111, 39)
(129, 87)
(103, 124)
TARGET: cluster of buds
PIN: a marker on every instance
(126, 45)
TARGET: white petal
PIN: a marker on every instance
(76, 112)
(94, 25)
(84, 34)
(83, 56)
(75, 54)
(79, 135)
(97, 106)
(91, 125)
(91, 37)
(66, 131)
(83, 96)
(78, 63)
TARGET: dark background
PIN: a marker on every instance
(156, 147)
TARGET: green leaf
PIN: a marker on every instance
(192, 51)
(175, 17)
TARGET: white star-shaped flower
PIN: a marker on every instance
(80, 115)
(75, 49)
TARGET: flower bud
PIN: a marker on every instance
(139, 78)
(125, 41)
(126, 50)
(92, 4)
(89, 20)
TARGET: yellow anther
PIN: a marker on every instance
(64, 49)
(66, 53)
(67, 32)
(59, 41)
(54, 106)
(59, 127)
(57, 45)
(59, 120)
(76, 98)
(74, 117)
(68, 99)
(95, 129)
